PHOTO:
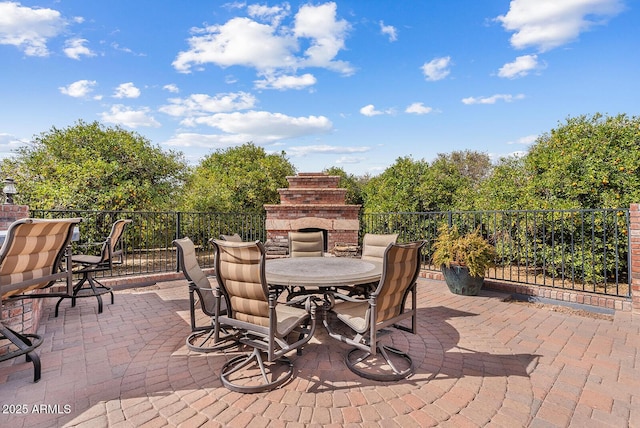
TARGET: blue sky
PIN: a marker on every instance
(354, 84)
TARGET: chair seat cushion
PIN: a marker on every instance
(86, 259)
(353, 314)
(289, 317)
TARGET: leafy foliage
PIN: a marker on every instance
(237, 179)
(470, 250)
(396, 189)
(349, 182)
(452, 180)
(589, 162)
(88, 166)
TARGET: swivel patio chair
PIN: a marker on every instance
(271, 328)
(111, 254)
(201, 294)
(31, 258)
(374, 245)
(306, 244)
(368, 319)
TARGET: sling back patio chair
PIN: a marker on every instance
(271, 328)
(111, 254)
(303, 244)
(306, 244)
(31, 258)
(201, 294)
(367, 319)
(373, 247)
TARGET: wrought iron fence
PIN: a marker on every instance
(585, 250)
(148, 242)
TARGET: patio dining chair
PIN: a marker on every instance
(373, 248)
(367, 320)
(111, 253)
(306, 244)
(201, 295)
(31, 258)
(268, 327)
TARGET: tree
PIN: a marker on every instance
(396, 189)
(452, 180)
(506, 188)
(588, 162)
(237, 179)
(91, 167)
(349, 182)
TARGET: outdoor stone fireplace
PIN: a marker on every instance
(313, 201)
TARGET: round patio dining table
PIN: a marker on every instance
(321, 272)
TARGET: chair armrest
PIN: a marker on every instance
(349, 298)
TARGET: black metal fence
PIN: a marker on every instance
(584, 250)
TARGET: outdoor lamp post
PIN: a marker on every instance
(9, 190)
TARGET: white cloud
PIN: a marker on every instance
(324, 149)
(8, 144)
(208, 141)
(326, 33)
(274, 14)
(270, 47)
(74, 48)
(78, 89)
(492, 99)
(203, 104)
(349, 160)
(437, 68)
(370, 110)
(390, 31)
(126, 90)
(286, 82)
(520, 67)
(418, 108)
(529, 139)
(29, 29)
(547, 24)
(171, 87)
(126, 116)
(265, 127)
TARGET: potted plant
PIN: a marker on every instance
(463, 259)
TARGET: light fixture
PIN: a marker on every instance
(9, 190)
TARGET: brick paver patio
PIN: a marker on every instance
(481, 361)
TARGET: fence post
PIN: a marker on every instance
(634, 237)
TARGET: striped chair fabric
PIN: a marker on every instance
(306, 244)
(240, 272)
(33, 250)
(373, 245)
(400, 271)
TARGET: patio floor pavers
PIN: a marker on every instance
(479, 361)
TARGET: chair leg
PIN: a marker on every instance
(26, 344)
(371, 367)
(271, 375)
(93, 288)
(204, 341)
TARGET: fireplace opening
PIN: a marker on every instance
(316, 229)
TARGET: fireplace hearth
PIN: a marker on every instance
(313, 201)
